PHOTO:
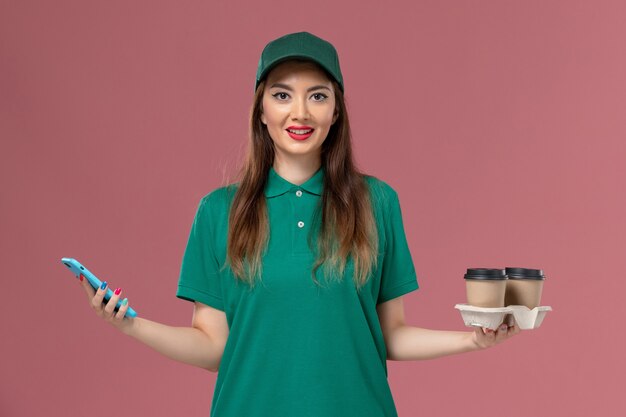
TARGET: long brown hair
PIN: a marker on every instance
(348, 225)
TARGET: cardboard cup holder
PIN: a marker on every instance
(492, 317)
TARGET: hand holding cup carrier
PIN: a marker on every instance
(496, 295)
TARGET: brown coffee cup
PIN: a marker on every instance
(524, 287)
(485, 287)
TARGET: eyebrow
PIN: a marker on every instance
(286, 87)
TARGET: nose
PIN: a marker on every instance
(300, 109)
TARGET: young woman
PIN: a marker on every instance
(297, 270)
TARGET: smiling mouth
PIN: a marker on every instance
(300, 131)
(300, 137)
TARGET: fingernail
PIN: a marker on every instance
(104, 285)
(125, 301)
(503, 328)
(81, 278)
(118, 291)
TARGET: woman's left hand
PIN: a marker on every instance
(484, 337)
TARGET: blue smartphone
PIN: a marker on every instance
(77, 268)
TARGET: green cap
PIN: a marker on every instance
(299, 45)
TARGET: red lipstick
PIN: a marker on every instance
(297, 136)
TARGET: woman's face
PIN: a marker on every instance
(298, 96)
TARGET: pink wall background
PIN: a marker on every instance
(500, 124)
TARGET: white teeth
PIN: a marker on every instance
(299, 132)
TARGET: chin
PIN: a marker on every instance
(299, 150)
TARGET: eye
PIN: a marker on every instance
(320, 94)
(279, 94)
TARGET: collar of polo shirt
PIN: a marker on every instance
(277, 185)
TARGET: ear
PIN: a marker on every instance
(263, 119)
(335, 116)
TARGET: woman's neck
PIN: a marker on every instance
(296, 172)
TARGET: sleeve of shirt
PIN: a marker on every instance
(398, 275)
(199, 278)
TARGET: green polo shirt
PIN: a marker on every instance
(295, 349)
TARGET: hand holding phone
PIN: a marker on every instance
(77, 269)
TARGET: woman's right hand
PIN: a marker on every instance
(106, 311)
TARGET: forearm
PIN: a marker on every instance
(408, 343)
(183, 344)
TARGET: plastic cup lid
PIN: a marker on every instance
(485, 273)
(525, 273)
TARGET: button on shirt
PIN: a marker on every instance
(296, 349)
